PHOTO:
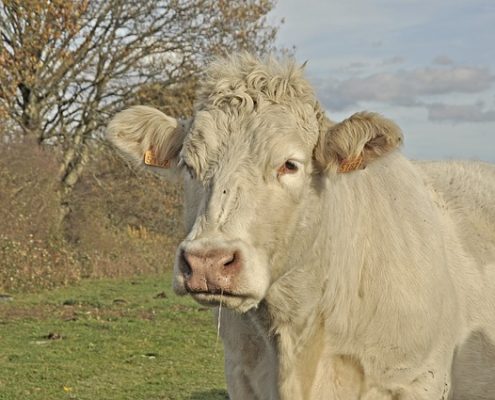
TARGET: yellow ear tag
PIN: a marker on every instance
(150, 160)
(351, 165)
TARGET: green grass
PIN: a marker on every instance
(109, 339)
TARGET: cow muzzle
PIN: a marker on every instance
(218, 271)
(210, 271)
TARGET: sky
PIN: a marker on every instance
(429, 65)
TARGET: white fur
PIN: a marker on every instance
(374, 284)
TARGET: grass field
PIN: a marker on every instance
(109, 339)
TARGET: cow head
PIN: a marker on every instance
(253, 158)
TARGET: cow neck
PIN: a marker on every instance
(299, 276)
(375, 229)
(330, 298)
(295, 310)
(293, 301)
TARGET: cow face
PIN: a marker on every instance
(245, 178)
(252, 159)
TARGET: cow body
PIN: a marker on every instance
(344, 270)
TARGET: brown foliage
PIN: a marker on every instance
(174, 100)
(122, 223)
(31, 254)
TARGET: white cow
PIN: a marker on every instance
(344, 271)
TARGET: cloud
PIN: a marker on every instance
(460, 112)
(393, 60)
(405, 87)
(443, 60)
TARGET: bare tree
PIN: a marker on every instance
(65, 66)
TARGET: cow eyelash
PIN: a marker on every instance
(191, 172)
(288, 168)
(188, 168)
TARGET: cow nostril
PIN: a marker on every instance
(231, 260)
(185, 266)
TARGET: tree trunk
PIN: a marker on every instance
(31, 114)
(71, 170)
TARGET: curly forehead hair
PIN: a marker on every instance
(242, 81)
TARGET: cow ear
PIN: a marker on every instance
(147, 136)
(355, 142)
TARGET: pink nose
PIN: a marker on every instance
(211, 271)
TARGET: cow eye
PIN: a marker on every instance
(289, 167)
